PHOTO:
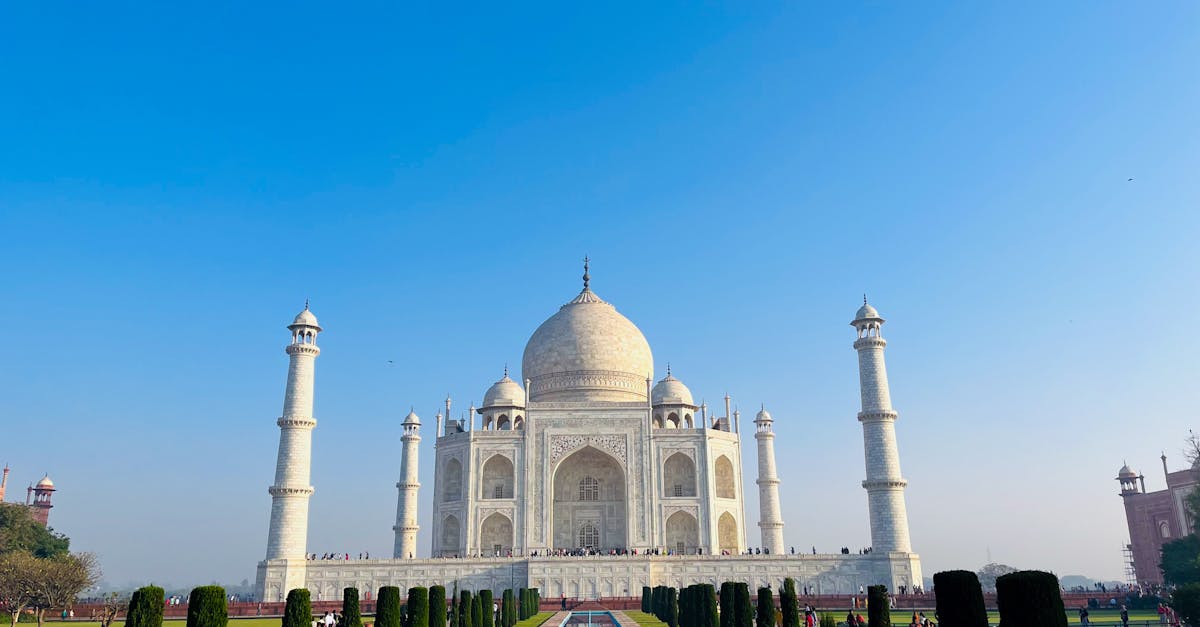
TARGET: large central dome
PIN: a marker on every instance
(587, 352)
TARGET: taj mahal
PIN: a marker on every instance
(587, 478)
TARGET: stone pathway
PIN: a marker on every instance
(623, 620)
(557, 619)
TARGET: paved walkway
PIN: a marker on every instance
(557, 619)
(622, 620)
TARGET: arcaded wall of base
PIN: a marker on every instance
(593, 577)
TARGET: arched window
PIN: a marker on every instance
(658, 421)
(589, 489)
(1164, 529)
(502, 423)
(672, 421)
(519, 422)
(452, 488)
(725, 483)
(589, 536)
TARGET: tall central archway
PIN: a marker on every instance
(589, 502)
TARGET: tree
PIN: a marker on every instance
(646, 599)
(298, 611)
(789, 605)
(417, 612)
(351, 614)
(766, 608)
(110, 606)
(15, 593)
(1030, 598)
(508, 613)
(988, 574)
(464, 608)
(207, 607)
(20, 532)
(672, 608)
(486, 608)
(708, 602)
(728, 611)
(387, 608)
(878, 612)
(476, 611)
(145, 607)
(959, 599)
(437, 606)
(744, 611)
(1186, 602)
(1181, 559)
(57, 581)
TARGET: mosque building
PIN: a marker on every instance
(587, 478)
(37, 496)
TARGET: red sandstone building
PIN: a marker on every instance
(1155, 518)
(37, 497)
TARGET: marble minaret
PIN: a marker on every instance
(770, 518)
(884, 483)
(288, 535)
(406, 505)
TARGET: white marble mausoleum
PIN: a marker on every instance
(588, 478)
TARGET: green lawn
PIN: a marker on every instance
(179, 622)
(644, 619)
(534, 621)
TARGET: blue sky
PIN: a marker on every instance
(175, 181)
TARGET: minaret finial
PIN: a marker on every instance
(864, 298)
(668, 370)
(586, 277)
(506, 370)
(306, 303)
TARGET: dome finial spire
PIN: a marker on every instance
(668, 370)
(864, 298)
(586, 277)
(506, 369)
(305, 303)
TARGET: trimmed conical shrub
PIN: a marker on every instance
(789, 605)
(765, 614)
(878, 612)
(646, 599)
(437, 606)
(708, 604)
(485, 607)
(417, 609)
(207, 607)
(508, 610)
(476, 612)
(959, 599)
(298, 611)
(351, 616)
(1030, 598)
(744, 611)
(728, 605)
(145, 607)
(387, 608)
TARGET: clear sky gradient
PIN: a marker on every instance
(175, 181)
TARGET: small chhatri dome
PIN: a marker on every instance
(671, 391)
(305, 318)
(412, 418)
(504, 393)
(1126, 472)
(45, 482)
(763, 414)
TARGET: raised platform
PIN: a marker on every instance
(594, 576)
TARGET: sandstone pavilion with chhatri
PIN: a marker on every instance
(585, 457)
